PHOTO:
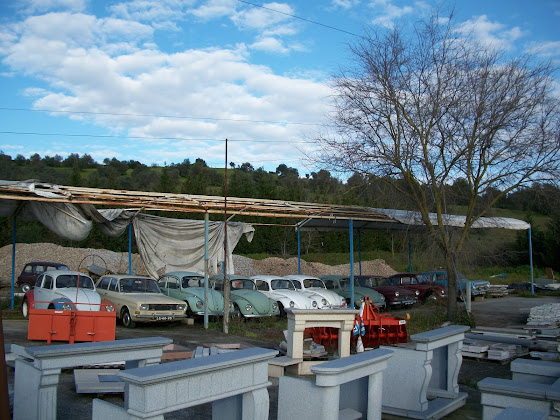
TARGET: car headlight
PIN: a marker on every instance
(199, 304)
(109, 308)
(324, 302)
(181, 307)
(248, 307)
(362, 299)
(66, 306)
(314, 304)
(292, 304)
(274, 306)
(416, 292)
(397, 294)
(144, 307)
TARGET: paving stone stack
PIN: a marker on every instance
(544, 315)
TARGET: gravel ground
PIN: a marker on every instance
(117, 262)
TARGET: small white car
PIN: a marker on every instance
(64, 290)
(284, 292)
(316, 289)
(139, 299)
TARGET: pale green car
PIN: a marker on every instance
(189, 286)
(246, 299)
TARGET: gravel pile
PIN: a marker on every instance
(117, 262)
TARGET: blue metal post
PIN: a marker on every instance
(359, 252)
(13, 260)
(409, 257)
(206, 271)
(130, 248)
(351, 229)
(298, 252)
(531, 261)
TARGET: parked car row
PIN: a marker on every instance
(181, 294)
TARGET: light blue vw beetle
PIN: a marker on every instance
(247, 300)
(189, 286)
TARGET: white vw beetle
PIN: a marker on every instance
(316, 289)
(284, 292)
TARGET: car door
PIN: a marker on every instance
(43, 294)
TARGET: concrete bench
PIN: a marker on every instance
(235, 382)
(513, 413)
(421, 378)
(37, 369)
(346, 388)
(278, 365)
(533, 386)
(540, 371)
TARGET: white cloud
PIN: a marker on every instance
(492, 34)
(215, 9)
(270, 44)
(161, 14)
(259, 18)
(99, 65)
(389, 13)
(345, 4)
(42, 6)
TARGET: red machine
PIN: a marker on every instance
(374, 327)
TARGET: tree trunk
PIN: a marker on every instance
(450, 259)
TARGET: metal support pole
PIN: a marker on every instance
(206, 270)
(13, 261)
(359, 252)
(531, 262)
(298, 251)
(351, 229)
(130, 248)
(409, 257)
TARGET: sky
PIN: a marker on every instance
(161, 81)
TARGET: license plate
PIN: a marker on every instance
(164, 318)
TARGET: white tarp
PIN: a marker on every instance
(414, 218)
(167, 245)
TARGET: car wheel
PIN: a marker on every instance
(25, 287)
(127, 319)
(25, 308)
(236, 312)
(282, 311)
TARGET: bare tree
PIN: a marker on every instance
(424, 106)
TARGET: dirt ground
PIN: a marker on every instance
(507, 312)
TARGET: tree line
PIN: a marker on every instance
(285, 183)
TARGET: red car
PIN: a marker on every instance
(394, 295)
(428, 291)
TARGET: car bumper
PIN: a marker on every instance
(403, 302)
(157, 317)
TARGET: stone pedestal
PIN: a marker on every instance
(38, 369)
(421, 378)
(347, 388)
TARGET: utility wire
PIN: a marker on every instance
(108, 136)
(300, 18)
(179, 117)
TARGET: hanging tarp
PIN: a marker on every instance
(167, 245)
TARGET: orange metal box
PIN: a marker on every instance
(57, 325)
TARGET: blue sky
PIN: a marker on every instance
(160, 81)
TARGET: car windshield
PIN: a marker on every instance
(74, 280)
(314, 283)
(192, 281)
(138, 285)
(282, 284)
(238, 284)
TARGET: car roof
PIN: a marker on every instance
(183, 273)
(65, 272)
(126, 276)
(45, 263)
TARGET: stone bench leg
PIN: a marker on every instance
(256, 405)
(35, 392)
